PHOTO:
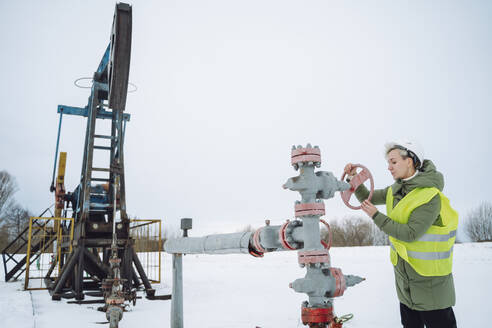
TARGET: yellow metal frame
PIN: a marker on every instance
(59, 236)
(148, 222)
(60, 179)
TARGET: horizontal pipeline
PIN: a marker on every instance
(232, 243)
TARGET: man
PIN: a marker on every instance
(421, 226)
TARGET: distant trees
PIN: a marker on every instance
(351, 231)
(478, 224)
(8, 187)
(379, 238)
(13, 217)
(17, 218)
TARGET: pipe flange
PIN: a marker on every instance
(305, 209)
(340, 284)
(282, 236)
(309, 257)
(316, 315)
(305, 155)
(115, 300)
(256, 241)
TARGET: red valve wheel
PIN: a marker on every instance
(356, 181)
(327, 245)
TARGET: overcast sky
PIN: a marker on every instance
(225, 88)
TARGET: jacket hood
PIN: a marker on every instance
(427, 177)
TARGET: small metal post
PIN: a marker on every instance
(177, 296)
(186, 224)
(177, 320)
(28, 260)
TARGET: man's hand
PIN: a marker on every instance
(369, 208)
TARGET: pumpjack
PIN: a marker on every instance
(99, 203)
(102, 258)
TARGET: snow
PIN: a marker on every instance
(243, 291)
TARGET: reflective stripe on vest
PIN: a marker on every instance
(428, 255)
(434, 237)
(431, 254)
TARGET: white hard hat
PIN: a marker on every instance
(409, 145)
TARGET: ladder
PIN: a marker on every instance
(90, 198)
(16, 250)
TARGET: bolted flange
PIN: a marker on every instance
(115, 300)
(256, 242)
(312, 316)
(282, 236)
(305, 209)
(340, 284)
(306, 257)
(305, 156)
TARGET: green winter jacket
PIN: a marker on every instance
(415, 291)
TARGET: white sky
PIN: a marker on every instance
(225, 88)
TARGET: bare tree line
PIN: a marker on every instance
(13, 217)
(354, 231)
(479, 223)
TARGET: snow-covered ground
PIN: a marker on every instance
(242, 291)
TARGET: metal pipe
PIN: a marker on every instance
(233, 243)
(114, 314)
(177, 292)
(311, 233)
(297, 234)
(269, 238)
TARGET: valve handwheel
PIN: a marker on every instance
(355, 182)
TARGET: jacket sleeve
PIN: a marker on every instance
(378, 197)
(418, 223)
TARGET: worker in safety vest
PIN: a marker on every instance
(421, 226)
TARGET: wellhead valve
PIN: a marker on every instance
(322, 282)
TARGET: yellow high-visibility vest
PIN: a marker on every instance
(431, 254)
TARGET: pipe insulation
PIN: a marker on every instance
(232, 243)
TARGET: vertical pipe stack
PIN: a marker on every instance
(321, 282)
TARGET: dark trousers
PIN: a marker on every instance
(431, 319)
